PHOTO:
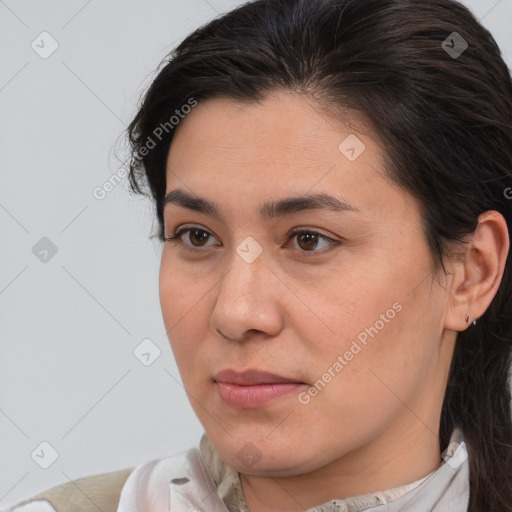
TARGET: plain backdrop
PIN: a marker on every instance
(78, 270)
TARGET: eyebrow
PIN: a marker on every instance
(268, 210)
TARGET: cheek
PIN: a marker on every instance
(182, 287)
(348, 307)
(379, 365)
(375, 343)
(181, 302)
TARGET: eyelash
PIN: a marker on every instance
(180, 232)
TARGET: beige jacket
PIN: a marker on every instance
(199, 480)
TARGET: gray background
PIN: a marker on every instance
(69, 323)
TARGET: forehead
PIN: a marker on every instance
(285, 133)
(282, 118)
(280, 147)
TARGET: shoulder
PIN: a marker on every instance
(87, 494)
(150, 487)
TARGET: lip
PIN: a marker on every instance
(251, 377)
(253, 389)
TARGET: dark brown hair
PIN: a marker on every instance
(444, 113)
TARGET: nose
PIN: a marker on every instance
(247, 301)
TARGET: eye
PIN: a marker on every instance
(308, 241)
(195, 235)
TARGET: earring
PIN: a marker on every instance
(467, 319)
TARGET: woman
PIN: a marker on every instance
(333, 184)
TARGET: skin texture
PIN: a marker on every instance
(375, 423)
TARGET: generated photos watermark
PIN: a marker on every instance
(355, 348)
(166, 128)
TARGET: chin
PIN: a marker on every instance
(266, 459)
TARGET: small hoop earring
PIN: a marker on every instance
(466, 318)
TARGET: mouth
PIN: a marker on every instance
(253, 389)
(251, 378)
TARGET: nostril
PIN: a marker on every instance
(232, 339)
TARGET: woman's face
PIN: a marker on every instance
(347, 315)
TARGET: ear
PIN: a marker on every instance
(478, 275)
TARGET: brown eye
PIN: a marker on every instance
(312, 241)
(196, 238)
(307, 241)
(197, 235)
